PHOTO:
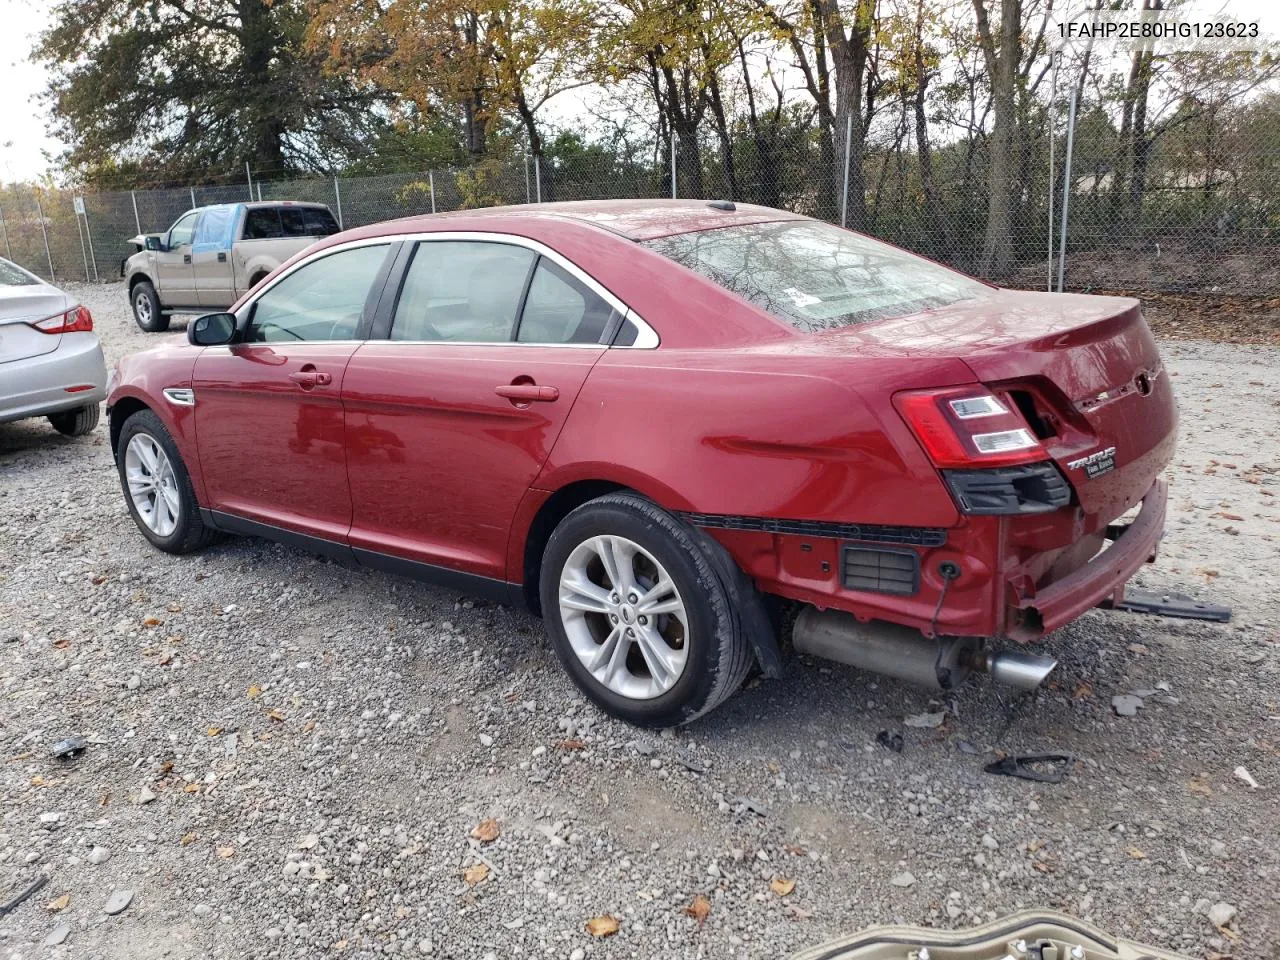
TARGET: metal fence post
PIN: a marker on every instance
(537, 178)
(8, 250)
(93, 257)
(431, 182)
(527, 196)
(848, 148)
(249, 177)
(1048, 118)
(137, 221)
(45, 233)
(83, 252)
(673, 165)
(337, 197)
(193, 197)
(1066, 188)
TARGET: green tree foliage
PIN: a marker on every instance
(170, 89)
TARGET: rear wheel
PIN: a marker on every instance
(77, 422)
(146, 308)
(639, 614)
(157, 487)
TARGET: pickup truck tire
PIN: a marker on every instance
(146, 308)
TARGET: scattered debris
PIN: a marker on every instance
(486, 831)
(1243, 774)
(1221, 915)
(890, 741)
(70, 747)
(1171, 605)
(689, 763)
(1022, 766)
(700, 909)
(32, 888)
(1127, 705)
(58, 935)
(605, 926)
(782, 886)
(118, 902)
(903, 880)
(925, 721)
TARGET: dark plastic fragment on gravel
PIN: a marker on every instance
(890, 741)
(70, 747)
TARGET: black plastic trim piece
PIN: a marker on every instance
(864, 532)
(1003, 491)
(471, 584)
(880, 570)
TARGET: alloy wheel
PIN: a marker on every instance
(624, 617)
(142, 306)
(153, 487)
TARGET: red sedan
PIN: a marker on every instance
(671, 428)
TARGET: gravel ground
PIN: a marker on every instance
(287, 758)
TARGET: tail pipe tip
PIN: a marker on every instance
(1026, 671)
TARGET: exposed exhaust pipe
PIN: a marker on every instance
(907, 654)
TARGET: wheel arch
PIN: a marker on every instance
(119, 412)
(137, 277)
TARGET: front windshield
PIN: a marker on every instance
(815, 276)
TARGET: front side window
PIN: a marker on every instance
(180, 233)
(463, 291)
(815, 276)
(322, 300)
(560, 308)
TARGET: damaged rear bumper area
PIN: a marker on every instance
(1128, 547)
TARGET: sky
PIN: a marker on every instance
(27, 149)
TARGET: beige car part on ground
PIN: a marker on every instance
(1030, 935)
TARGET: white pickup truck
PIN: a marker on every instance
(212, 255)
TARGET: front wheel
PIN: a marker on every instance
(157, 487)
(639, 614)
(77, 422)
(146, 308)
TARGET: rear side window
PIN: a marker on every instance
(215, 226)
(462, 290)
(307, 222)
(262, 223)
(560, 308)
(12, 275)
(322, 300)
(815, 276)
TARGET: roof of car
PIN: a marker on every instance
(634, 219)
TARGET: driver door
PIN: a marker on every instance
(175, 273)
(268, 410)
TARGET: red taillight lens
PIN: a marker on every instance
(75, 320)
(968, 427)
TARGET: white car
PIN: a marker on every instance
(50, 360)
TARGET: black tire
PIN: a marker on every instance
(190, 532)
(77, 422)
(146, 308)
(719, 653)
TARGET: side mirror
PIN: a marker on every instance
(212, 330)
(154, 243)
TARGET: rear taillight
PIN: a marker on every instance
(968, 427)
(75, 320)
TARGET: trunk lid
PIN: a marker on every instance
(1083, 370)
(22, 305)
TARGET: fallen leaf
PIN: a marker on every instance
(152, 622)
(226, 853)
(60, 903)
(99, 580)
(214, 731)
(573, 743)
(782, 887)
(486, 831)
(276, 714)
(175, 608)
(1200, 785)
(254, 691)
(61, 644)
(796, 851)
(1135, 853)
(38, 781)
(1083, 691)
(700, 909)
(308, 726)
(474, 874)
(188, 838)
(191, 788)
(605, 926)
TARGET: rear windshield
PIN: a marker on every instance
(272, 223)
(12, 275)
(815, 276)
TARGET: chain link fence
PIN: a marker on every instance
(1204, 217)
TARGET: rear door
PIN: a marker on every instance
(211, 256)
(174, 270)
(451, 417)
(269, 419)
